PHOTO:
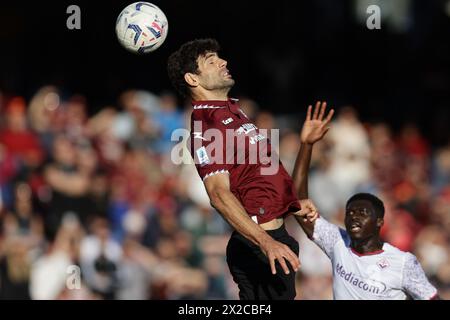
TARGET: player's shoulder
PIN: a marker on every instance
(389, 248)
(208, 114)
(405, 256)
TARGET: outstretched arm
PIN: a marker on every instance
(314, 129)
(223, 200)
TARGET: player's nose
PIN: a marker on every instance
(222, 63)
(357, 221)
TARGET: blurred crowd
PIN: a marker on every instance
(101, 192)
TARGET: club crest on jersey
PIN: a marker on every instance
(202, 156)
(383, 264)
(227, 121)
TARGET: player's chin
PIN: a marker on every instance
(229, 82)
(355, 234)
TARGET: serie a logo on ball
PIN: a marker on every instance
(141, 27)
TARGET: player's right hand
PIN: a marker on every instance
(277, 251)
(315, 126)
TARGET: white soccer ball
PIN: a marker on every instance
(142, 27)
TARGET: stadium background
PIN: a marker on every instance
(85, 170)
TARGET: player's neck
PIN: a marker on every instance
(369, 245)
(205, 95)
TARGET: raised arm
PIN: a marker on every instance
(314, 129)
(224, 201)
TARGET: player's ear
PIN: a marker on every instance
(191, 79)
(380, 222)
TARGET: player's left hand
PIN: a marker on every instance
(315, 126)
(308, 211)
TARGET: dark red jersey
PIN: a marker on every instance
(224, 141)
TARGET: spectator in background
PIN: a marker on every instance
(49, 272)
(411, 142)
(350, 153)
(385, 158)
(440, 171)
(136, 104)
(136, 272)
(213, 249)
(9, 168)
(42, 112)
(168, 119)
(400, 227)
(322, 183)
(100, 258)
(100, 128)
(75, 118)
(15, 267)
(22, 220)
(99, 193)
(69, 184)
(288, 144)
(432, 250)
(439, 209)
(17, 138)
(314, 287)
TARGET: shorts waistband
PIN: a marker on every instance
(277, 232)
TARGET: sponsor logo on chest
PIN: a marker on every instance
(227, 121)
(373, 286)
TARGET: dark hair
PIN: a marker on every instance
(184, 60)
(375, 201)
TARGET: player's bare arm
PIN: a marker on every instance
(223, 200)
(314, 129)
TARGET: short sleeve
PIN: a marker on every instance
(326, 235)
(415, 282)
(209, 148)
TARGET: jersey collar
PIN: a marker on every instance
(203, 104)
(231, 104)
(367, 253)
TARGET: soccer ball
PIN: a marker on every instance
(141, 27)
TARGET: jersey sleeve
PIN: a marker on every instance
(415, 282)
(326, 235)
(209, 148)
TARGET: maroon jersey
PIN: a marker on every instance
(223, 140)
